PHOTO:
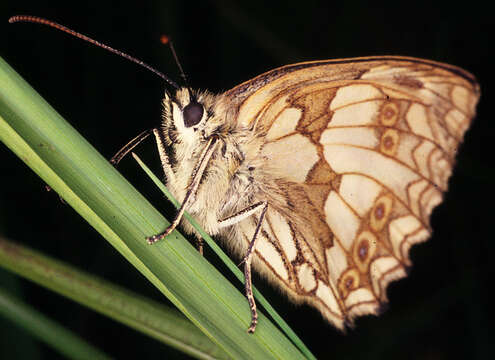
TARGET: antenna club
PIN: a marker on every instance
(16, 18)
(27, 18)
(164, 39)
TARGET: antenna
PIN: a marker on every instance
(39, 20)
(166, 40)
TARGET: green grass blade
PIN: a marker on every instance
(73, 168)
(46, 330)
(156, 320)
(232, 267)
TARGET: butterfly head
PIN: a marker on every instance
(189, 119)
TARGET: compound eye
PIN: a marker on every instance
(192, 113)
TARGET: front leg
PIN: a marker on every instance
(192, 188)
(162, 151)
(241, 215)
(130, 146)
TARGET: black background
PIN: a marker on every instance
(438, 312)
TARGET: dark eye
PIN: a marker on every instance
(192, 113)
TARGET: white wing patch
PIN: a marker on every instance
(359, 114)
(282, 232)
(327, 296)
(337, 262)
(359, 192)
(361, 136)
(284, 124)
(342, 220)
(292, 156)
(354, 94)
(306, 277)
(266, 249)
(417, 121)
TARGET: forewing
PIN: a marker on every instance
(365, 148)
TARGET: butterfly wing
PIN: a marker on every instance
(362, 150)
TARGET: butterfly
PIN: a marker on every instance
(320, 175)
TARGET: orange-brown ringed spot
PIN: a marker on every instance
(348, 282)
(389, 114)
(389, 142)
(380, 212)
(364, 249)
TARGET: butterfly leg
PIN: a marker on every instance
(162, 151)
(199, 245)
(241, 215)
(129, 146)
(196, 176)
